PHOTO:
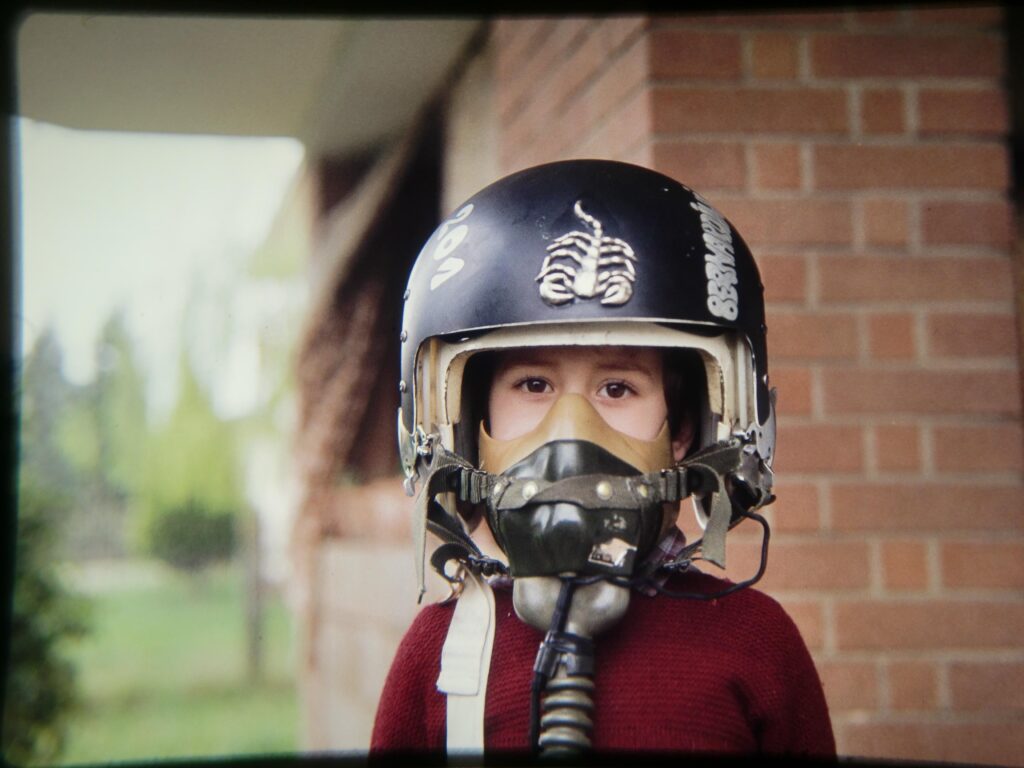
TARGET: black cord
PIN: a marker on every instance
(650, 582)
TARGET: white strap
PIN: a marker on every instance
(465, 663)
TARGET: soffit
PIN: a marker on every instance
(336, 84)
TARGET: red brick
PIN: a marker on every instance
(577, 71)
(987, 685)
(935, 166)
(743, 556)
(819, 447)
(517, 38)
(904, 564)
(537, 68)
(982, 113)
(862, 391)
(621, 131)
(527, 122)
(882, 278)
(928, 624)
(883, 111)
(621, 31)
(796, 509)
(913, 685)
(784, 277)
(794, 387)
(702, 165)
(519, 69)
(849, 685)
(809, 619)
(813, 335)
(904, 55)
(891, 336)
(971, 743)
(614, 85)
(987, 223)
(777, 166)
(897, 447)
(795, 221)
(964, 16)
(984, 448)
(829, 565)
(972, 335)
(933, 507)
(689, 53)
(641, 155)
(776, 56)
(983, 564)
(750, 110)
(371, 511)
(886, 222)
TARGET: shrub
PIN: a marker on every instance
(41, 682)
(191, 536)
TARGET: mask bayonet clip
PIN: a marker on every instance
(422, 448)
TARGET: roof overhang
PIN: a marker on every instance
(337, 84)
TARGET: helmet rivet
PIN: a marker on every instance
(604, 490)
(498, 488)
(405, 296)
(529, 490)
(404, 337)
(402, 387)
(643, 491)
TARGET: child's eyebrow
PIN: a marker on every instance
(523, 360)
(615, 360)
(619, 359)
(629, 366)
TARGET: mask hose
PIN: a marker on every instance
(560, 725)
(681, 564)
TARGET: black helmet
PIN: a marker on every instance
(584, 252)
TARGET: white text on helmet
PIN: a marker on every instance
(719, 262)
(448, 241)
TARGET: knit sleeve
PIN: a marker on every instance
(410, 713)
(788, 702)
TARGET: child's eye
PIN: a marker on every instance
(615, 389)
(535, 386)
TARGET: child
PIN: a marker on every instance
(583, 347)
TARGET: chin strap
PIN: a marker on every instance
(465, 663)
(449, 473)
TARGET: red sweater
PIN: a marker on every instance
(729, 675)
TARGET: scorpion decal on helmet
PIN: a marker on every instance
(603, 266)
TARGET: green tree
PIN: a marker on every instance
(41, 682)
(120, 406)
(101, 433)
(191, 473)
(44, 398)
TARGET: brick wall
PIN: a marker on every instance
(864, 157)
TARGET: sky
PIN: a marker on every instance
(139, 222)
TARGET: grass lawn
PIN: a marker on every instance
(163, 671)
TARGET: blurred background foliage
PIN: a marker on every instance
(162, 286)
(41, 680)
(136, 618)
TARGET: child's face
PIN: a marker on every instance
(625, 386)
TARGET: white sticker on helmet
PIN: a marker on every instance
(449, 238)
(719, 262)
(580, 265)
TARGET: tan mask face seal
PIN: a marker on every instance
(572, 417)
